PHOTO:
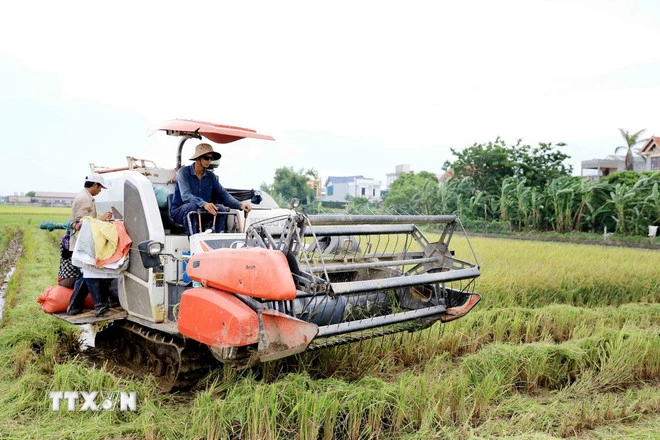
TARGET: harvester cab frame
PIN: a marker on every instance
(282, 284)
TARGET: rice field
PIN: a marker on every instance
(564, 344)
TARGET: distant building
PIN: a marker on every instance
(446, 176)
(391, 177)
(337, 189)
(315, 184)
(19, 200)
(651, 154)
(595, 169)
(44, 198)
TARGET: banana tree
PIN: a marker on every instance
(585, 194)
(425, 199)
(622, 201)
(446, 194)
(521, 194)
(647, 205)
(506, 200)
(535, 208)
(560, 193)
(653, 205)
(458, 197)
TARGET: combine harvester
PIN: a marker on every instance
(275, 284)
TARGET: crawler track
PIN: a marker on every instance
(175, 363)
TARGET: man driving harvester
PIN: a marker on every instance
(197, 187)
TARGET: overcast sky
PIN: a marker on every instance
(345, 87)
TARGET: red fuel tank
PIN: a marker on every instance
(257, 272)
(217, 318)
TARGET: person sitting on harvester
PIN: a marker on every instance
(197, 187)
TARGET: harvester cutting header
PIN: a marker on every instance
(273, 283)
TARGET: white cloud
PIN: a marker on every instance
(344, 87)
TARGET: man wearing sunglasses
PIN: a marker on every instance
(197, 187)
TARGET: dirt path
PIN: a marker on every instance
(8, 264)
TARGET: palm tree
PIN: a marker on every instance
(631, 141)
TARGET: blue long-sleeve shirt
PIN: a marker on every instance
(189, 188)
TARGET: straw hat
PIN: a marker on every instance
(203, 149)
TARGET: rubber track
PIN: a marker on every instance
(175, 363)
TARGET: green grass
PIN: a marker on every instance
(577, 236)
(32, 215)
(534, 274)
(6, 234)
(564, 344)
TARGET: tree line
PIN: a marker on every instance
(497, 186)
(524, 188)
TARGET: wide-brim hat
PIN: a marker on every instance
(97, 178)
(203, 149)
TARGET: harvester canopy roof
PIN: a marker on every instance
(221, 134)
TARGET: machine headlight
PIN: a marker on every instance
(150, 252)
(154, 249)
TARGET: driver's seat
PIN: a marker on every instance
(169, 222)
(169, 210)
